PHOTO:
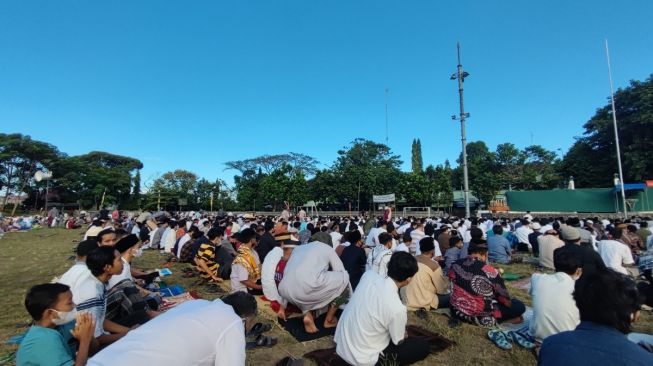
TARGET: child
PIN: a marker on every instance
(404, 246)
(59, 335)
(453, 253)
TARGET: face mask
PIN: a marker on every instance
(138, 252)
(64, 316)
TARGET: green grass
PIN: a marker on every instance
(37, 256)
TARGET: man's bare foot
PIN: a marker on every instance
(309, 323)
(332, 323)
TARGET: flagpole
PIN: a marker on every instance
(616, 132)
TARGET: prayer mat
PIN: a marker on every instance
(522, 284)
(295, 326)
(329, 357)
(170, 302)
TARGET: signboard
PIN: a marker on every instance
(183, 202)
(383, 198)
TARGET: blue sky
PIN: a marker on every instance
(194, 84)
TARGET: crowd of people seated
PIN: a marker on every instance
(593, 277)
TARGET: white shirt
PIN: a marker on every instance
(402, 229)
(239, 273)
(183, 240)
(125, 274)
(615, 255)
(89, 296)
(197, 332)
(401, 247)
(378, 259)
(168, 240)
(416, 235)
(268, 269)
(335, 238)
(370, 239)
(522, 234)
(554, 308)
(74, 274)
(373, 317)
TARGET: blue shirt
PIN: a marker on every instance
(47, 346)
(592, 344)
(498, 249)
(451, 255)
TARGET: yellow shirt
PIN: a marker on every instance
(422, 291)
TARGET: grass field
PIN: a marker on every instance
(37, 256)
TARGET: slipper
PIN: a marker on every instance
(289, 361)
(521, 339)
(213, 288)
(258, 329)
(262, 341)
(499, 338)
(422, 314)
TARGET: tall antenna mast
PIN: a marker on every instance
(461, 75)
(616, 132)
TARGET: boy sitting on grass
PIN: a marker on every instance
(59, 335)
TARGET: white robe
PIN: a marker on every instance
(308, 282)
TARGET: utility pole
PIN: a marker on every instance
(616, 132)
(461, 75)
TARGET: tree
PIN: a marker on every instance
(539, 168)
(365, 168)
(20, 158)
(175, 185)
(510, 164)
(482, 168)
(268, 163)
(592, 159)
(416, 156)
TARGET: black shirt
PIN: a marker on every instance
(353, 259)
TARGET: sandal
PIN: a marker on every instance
(521, 340)
(499, 338)
(289, 361)
(262, 341)
(258, 329)
(422, 314)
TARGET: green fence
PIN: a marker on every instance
(578, 200)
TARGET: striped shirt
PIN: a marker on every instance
(90, 295)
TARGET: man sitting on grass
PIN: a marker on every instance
(212, 261)
(554, 308)
(373, 324)
(479, 295)
(198, 332)
(609, 304)
(429, 288)
(59, 335)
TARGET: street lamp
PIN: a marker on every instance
(460, 76)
